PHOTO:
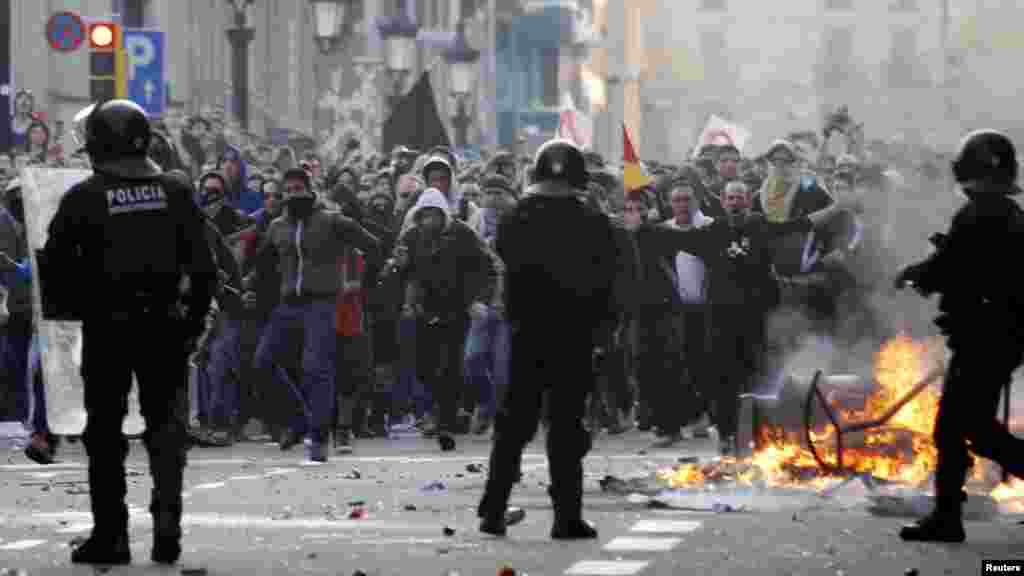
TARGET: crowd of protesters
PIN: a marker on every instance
(377, 307)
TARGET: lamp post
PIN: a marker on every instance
(328, 20)
(462, 59)
(399, 34)
(240, 36)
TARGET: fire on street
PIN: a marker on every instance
(249, 510)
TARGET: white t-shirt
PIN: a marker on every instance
(690, 270)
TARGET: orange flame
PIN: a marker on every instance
(902, 451)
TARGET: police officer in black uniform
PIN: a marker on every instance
(121, 246)
(982, 315)
(560, 264)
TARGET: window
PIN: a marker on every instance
(903, 6)
(712, 52)
(838, 5)
(713, 5)
(837, 57)
(549, 76)
(904, 61)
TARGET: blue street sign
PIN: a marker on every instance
(145, 69)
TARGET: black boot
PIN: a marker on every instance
(166, 513)
(104, 549)
(165, 445)
(566, 493)
(108, 544)
(944, 524)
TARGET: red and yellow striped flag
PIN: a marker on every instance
(633, 175)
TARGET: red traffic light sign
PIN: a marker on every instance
(65, 31)
(102, 36)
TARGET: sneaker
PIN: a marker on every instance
(39, 450)
(316, 452)
(342, 443)
(288, 439)
(108, 552)
(668, 441)
(482, 426)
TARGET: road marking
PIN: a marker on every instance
(606, 568)
(279, 471)
(249, 477)
(628, 544)
(212, 520)
(209, 486)
(76, 528)
(665, 526)
(54, 466)
(22, 545)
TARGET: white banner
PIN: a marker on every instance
(61, 342)
(719, 132)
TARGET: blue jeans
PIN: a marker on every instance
(487, 354)
(315, 321)
(17, 339)
(408, 387)
(224, 371)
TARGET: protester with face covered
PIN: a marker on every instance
(236, 180)
(449, 275)
(742, 290)
(308, 241)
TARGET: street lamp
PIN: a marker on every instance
(240, 36)
(399, 34)
(462, 59)
(328, 19)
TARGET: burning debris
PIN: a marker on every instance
(879, 433)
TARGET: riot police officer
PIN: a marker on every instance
(559, 301)
(982, 316)
(128, 239)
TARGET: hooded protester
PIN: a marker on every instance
(449, 274)
(216, 205)
(308, 241)
(235, 170)
(788, 193)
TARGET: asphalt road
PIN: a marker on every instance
(252, 509)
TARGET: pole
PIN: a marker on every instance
(461, 123)
(6, 90)
(492, 64)
(240, 37)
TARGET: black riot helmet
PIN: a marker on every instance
(560, 160)
(986, 155)
(117, 138)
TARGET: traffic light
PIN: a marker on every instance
(106, 68)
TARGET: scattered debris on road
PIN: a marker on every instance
(474, 468)
(354, 474)
(434, 486)
(357, 514)
(449, 532)
(409, 508)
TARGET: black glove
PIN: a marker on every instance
(911, 276)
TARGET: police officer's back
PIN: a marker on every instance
(119, 248)
(982, 315)
(560, 259)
